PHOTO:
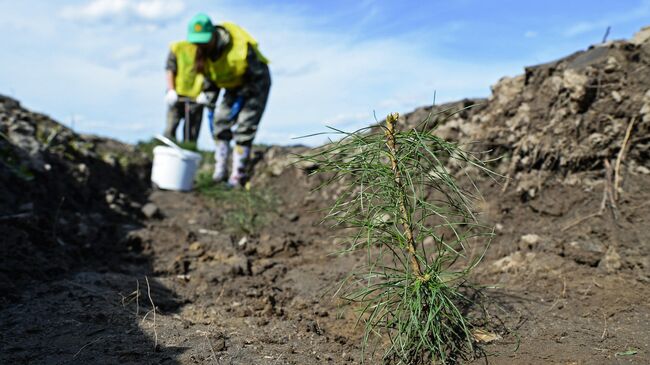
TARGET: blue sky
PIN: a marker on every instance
(98, 65)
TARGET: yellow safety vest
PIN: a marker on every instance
(226, 72)
(188, 82)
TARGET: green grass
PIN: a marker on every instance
(399, 192)
(148, 146)
(245, 211)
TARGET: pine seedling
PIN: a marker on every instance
(415, 224)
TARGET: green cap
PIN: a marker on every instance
(200, 29)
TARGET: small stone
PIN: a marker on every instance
(611, 262)
(268, 247)
(611, 66)
(150, 210)
(219, 344)
(242, 242)
(110, 198)
(585, 252)
(642, 170)
(322, 313)
(239, 265)
(529, 241)
(195, 246)
(498, 227)
(209, 232)
(313, 327)
(293, 217)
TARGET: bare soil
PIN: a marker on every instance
(91, 274)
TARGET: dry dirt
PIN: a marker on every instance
(86, 260)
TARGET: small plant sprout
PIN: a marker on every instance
(403, 207)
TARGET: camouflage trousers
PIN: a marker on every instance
(178, 112)
(242, 108)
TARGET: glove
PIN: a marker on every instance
(202, 99)
(171, 97)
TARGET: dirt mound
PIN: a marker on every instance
(561, 117)
(565, 116)
(65, 199)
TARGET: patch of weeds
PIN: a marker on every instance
(415, 225)
(124, 161)
(190, 146)
(244, 210)
(46, 135)
(628, 352)
(81, 147)
(147, 146)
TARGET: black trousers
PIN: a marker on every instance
(184, 110)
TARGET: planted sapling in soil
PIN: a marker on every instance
(402, 206)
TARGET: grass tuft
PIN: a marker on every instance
(244, 210)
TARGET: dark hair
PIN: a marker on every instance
(200, 58)
(202, 52)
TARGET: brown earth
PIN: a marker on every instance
(235, 282)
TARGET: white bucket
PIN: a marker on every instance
(174, 168)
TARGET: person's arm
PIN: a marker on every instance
(171, 68)
(212, 91)
(171, 97)
(170, 80)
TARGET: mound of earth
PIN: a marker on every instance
(98, 268)
(65, 199)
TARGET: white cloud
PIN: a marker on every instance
(151, 10)
(158, 9)
(530, 34)
(95, 10)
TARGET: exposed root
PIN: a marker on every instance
(620, 158)
(86, 345)
(153, 310)
(608, 197)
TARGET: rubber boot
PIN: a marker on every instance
(239, 160)
(221, 161)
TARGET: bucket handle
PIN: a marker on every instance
(171, 144)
